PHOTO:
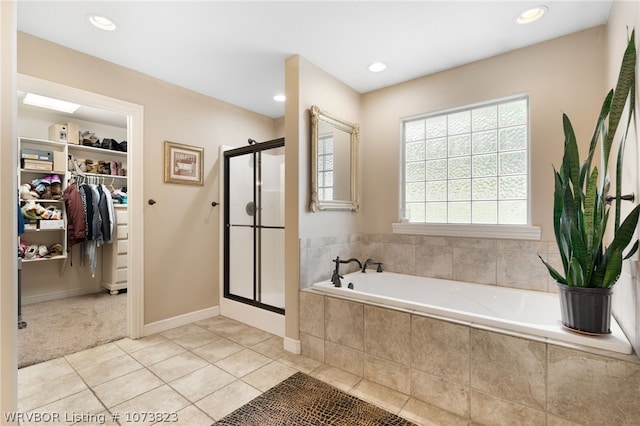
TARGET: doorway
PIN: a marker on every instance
(253, 224)
(132, 117)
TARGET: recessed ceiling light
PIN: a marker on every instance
(279, 98)
(377, 67)
(531, 15)
(50, 103)
(101, 22)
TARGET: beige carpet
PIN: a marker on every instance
(302, 400)
(62, 327)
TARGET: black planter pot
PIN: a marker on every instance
(586, 310)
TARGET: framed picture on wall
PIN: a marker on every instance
(183, 164)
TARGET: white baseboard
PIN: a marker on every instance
(169, 323)
(292, 345)
(28, 300)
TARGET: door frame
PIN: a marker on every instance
(135, 123)
(263, 319)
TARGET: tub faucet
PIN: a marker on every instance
(371, 262)
(335, 278)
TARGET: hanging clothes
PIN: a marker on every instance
(99, 221)
(76, 219)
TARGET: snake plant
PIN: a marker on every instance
(580, 201)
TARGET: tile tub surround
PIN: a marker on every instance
(506, 263)
(480, 375)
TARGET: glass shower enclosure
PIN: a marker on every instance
(254, 225)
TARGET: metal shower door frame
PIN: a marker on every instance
(255, 150)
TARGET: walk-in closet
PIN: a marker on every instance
(73, 224)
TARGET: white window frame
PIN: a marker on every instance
(525, 231)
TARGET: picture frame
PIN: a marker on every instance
(183, 164)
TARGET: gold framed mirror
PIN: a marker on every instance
(334, 162)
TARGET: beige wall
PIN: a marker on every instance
(317, 87)
(562, 75)
(625, 16)
(306, 85)
(8, 215)
(181, 260)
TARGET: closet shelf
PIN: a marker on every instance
(42, 259)
(99, 175)
(97, 151)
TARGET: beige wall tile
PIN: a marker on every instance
(341, 379)
(557, 421)
(399, 258)
(318, 264)
(521, 269)
(433, 241)
(488, 410)
(509, 367)
(440, 348)
(343, 357)
(387, 373)
(379, 395)
(312, 314)
(387, 334)
(523, 245)
(592, 389)
(434, 390)
(344, 322)
(312, 347)
(434, 261)
(373, 250)
(474, 265)
(475, 243)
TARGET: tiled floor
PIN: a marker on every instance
(200, 371)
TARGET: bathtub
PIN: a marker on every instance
(522, 313)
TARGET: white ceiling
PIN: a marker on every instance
(235, 50)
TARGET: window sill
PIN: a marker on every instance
(512, 232)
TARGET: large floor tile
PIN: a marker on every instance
(268, 376)
(190, 336)
(36, 396)
(243, 362)
(126, 387)
(218, 350)
(76, 408)
(223, 326)
(90, 357)
(273, 347)
(109, 370)
(178, 366)
(226, 400)
(157, 353)
(191, 416)
(202, 382)
(250, 336)
(159, 400)
(299, 362)
(132, 345)
(41, 373)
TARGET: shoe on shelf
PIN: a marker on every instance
(54, 250)
(31, 251)
(42, 251)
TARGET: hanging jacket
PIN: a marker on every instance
(76, 220)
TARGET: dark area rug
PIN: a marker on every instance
(302, 400)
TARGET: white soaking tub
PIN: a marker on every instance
(523, 313)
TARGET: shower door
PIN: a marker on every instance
(254, 225)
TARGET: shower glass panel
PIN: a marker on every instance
(254, 225)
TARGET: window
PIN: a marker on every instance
(325, 167)
(468, 166)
